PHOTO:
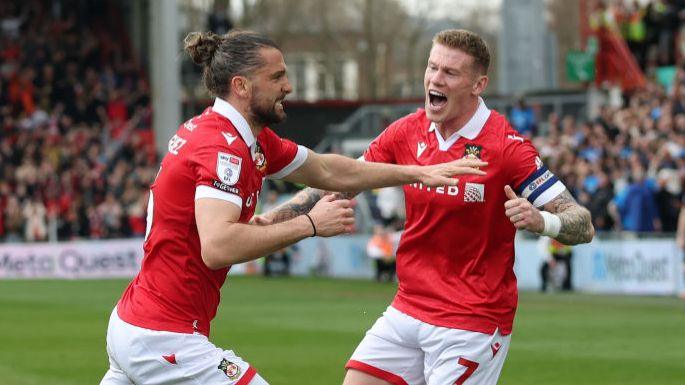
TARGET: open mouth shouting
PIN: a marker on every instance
(436, 100)
(278, 105)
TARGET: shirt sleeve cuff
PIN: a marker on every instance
(298, 161)
(203, 191)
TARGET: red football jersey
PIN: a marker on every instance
(456, 256)
(213, 155)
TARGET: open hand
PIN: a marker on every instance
(442, 174)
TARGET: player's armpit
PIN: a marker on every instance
(576, 221)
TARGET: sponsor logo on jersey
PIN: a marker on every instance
(474, 192)
(472, 151)
(230, 369)
(175, 144)
(224, 187)
(420, 148)
(514, 137)
(259, 158)
(442, 190)
(228, 168)
(229, 138)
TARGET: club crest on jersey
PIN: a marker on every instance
(259, 158)
(474, 192)
(472, 151)
(228, 168)
(231, 370)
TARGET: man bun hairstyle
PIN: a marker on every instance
(201, 46)
(468, 42)
(224, 56)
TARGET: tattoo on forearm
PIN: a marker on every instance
(576, 222)
(301, 203)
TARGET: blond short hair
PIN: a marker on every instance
(468, 42)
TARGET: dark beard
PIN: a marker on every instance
(265, 116)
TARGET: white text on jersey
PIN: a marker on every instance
(175, 144)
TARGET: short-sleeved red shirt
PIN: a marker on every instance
(456, 255)
(212, 155)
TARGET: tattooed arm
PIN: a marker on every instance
(576, 222)
(300, 204)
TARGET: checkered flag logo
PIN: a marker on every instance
(474, 192)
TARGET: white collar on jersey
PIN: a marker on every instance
(470, 130)
(225, 108)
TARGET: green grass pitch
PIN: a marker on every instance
(301, 331)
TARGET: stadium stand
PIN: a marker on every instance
(75, 144)
(77, 157)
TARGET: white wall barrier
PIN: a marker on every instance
(645, 266)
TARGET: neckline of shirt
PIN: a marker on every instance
(470, 130)
(226, 110)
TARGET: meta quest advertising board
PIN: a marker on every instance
(644, 266)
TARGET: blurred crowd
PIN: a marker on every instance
(76, 153)
(627, 166)
(77, 158)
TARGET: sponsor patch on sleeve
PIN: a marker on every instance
(537, 183)
(228, 168)
(225, 188)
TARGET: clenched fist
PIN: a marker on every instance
(522, 213)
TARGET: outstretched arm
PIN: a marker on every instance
(562, 218)
(339, 173)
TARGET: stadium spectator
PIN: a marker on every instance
(380, 249)
(277, 264)
(523, 119)
(218, 20)
(457, 291)
(203, 197)
(556, 271)
(635, 204)
(35, 220)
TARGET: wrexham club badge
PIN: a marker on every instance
(259, 158)
(229, 368)
(471, 151)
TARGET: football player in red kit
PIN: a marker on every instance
(200, 204)
(451, 319)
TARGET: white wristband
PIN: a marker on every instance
(552, 224)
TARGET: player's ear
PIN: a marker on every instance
(241, 87)
(480, 84)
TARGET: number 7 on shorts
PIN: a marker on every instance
(471, 367)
